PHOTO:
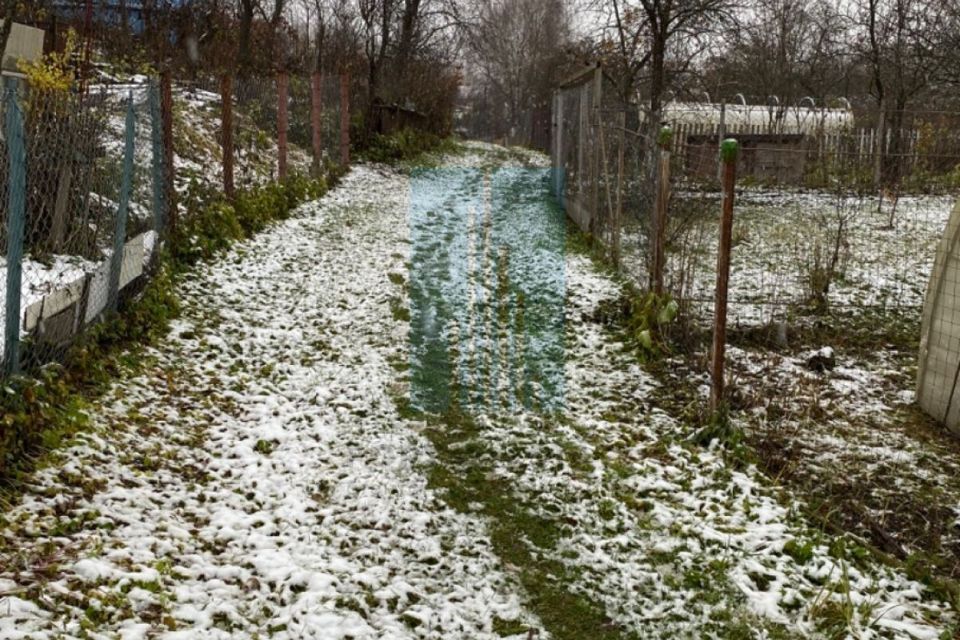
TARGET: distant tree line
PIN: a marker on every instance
(504, 57)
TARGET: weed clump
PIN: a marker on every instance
(404, 146)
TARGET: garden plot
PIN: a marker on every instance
(828, 402)
(849, 436)
(783, 251)
(263, 473)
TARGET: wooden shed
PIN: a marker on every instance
(763, 156)
(390, 118)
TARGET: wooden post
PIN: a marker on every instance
(316, 119)
(728, 156)
(282, 124)
(660, 210)
(881, 149)
(166, 115)
(721, 136)
(345, 120)
(226, 126)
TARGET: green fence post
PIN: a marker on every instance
(120, 228)
(15, 228)
(156, 140)
(729, 150)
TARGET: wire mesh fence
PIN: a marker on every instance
(88, 214)
(828, 214)
(604, 164)
(253, 136)
(315, 106)
(85, 185)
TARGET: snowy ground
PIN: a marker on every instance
(255, 476)
(262, 476)
(199, 154)
(848, 435)
(781, 237)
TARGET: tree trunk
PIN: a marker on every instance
(880, 151)
(321, 39)
(408, 24)
(244, 55)
(657, 84)
(124, 17)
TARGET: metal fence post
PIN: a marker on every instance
(282, 124)
(728, 155)
(226, 140)
(345, 120)
(558, 155)
(166, 116)
(316, 119)
(156, 141)
(16, 206)
(120, 226)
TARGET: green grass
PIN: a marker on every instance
(517, 533)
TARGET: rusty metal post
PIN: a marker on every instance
(282, 123)
(316, 119)
(660, 210)
(728, 155)
(166, 115)
(226, 126)
(345, 120)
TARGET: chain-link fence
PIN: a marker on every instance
(604, 168)
(80, 210)
(86, 184)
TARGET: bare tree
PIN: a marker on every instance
(791, 49)
(516, 51)
(897, 53)
(248, 11)
(652, 40)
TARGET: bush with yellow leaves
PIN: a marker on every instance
(52, 72)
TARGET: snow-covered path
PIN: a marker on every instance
(257, 479)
